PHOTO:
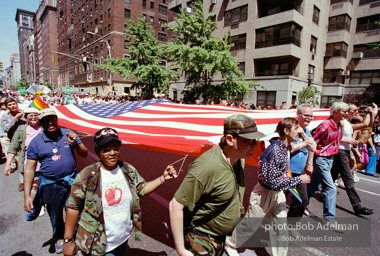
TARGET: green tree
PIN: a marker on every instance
(145, 62)
(22, 83)
(46, 82)
(201, 55)
(309, 95)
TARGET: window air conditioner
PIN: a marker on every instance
(310, 77)
(213, 1)
(345, 73)
(188, 9)
(357, 55)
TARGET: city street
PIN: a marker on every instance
(19, 237)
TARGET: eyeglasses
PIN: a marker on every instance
(32, 116)
(307, 116)
(105, 132)
(107, 151)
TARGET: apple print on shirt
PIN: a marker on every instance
(113, 195)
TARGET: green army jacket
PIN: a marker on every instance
(86, 197)
(18, 145)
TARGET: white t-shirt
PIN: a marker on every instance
(347, 133)
(117, 207)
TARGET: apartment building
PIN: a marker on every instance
(45, 39)
(31, 70)
(24, 21)
(15, 69)
(289, 45)
(91, 31)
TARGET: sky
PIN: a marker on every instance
(8, 26)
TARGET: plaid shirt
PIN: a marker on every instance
(327, 136)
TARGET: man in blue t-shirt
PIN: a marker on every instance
(301, 158)
(54, 149)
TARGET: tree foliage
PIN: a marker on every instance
(145, 60)
(22, 83)
(309, 95)
(201, 55)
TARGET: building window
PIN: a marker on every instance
(313, 44)
(327, 101)
(161, 23)
(367, 50)
(332, 76)
(264, 68)
(151, 20)
(109, 12)
(316, 12)
(266, 99)
(362, 2)
(127, 13)
(266, 8)
(152, 6)
(126, 44)
(161, 37)
(340, 22)
(341, 1)
(367, 23)
(163, 10)
(336, 49)
(365, 77)
(239, 42)
(236, 15)
(310, 70)
(288, 33)
(144, 4)
(242, 67)
(127, 1)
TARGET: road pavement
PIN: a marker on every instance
(19, 237)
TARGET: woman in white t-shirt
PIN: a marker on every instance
(106, 195)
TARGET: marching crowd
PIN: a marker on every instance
(102, 201)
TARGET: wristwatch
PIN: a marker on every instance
(67, 240)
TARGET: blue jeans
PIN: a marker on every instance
(322, 176)
(55, 196)
(121, 250)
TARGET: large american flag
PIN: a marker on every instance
(164, 126)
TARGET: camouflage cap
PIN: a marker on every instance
(243, 126)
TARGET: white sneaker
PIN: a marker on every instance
(42, 212)
(355, 176)
(339, 183)
(228, 248)
(59, 246)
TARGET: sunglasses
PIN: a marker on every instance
(251, 141)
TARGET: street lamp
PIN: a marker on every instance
(109, 54)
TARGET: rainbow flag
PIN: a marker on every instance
(294, 191)
(38, 103)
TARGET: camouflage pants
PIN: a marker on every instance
(201, 243)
